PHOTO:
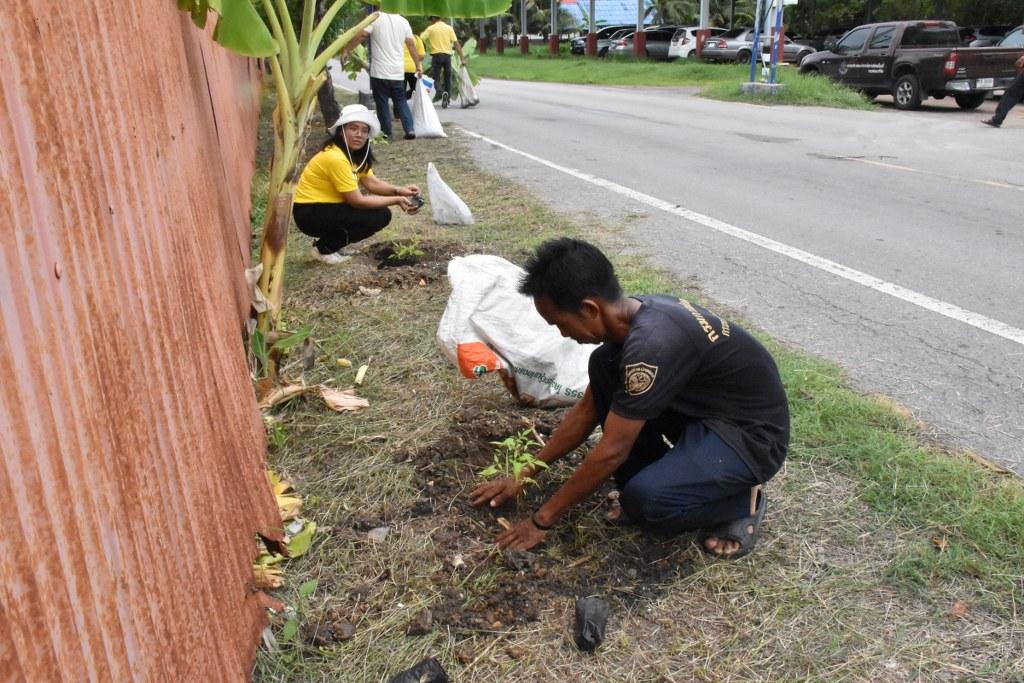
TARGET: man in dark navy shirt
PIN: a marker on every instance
(693, 413)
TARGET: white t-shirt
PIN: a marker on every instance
(387, 36)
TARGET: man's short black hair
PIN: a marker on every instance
(567, 271)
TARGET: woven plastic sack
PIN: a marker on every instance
(467, 91)
(488, 326)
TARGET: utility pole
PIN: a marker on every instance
(524, 38)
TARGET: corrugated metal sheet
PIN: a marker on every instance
(132, 450)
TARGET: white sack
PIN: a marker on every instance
(467, 93)
(424, 117)
(488, 325)
(447, 207)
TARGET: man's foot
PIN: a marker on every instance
(444, 100)
(410, 136)
(615, 514)
(738, 538)
(992, 122)
(334, 258)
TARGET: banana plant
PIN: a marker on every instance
(297, 67)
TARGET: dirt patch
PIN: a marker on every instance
(618, 562)
(375, 266)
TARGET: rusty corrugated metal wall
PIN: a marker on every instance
(132, 451)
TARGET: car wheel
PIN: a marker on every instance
(801, 57)
(743, 56)
(810, 71)
(906, 93)
(969, 101)
(603, 52)
(692, 55)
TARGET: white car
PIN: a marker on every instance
(684, 41)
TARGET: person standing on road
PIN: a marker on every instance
(1013, 95)
(693, 413)
(329, 202)
(440, 39)
(387, 68)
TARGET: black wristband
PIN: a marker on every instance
(542, 527)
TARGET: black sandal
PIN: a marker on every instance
(736, 530)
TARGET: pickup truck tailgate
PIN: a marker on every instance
(986, 62)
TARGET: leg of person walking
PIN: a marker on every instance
(410, 84)
(402, 107)
(381, 90)
(1011, 97)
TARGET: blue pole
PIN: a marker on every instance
(755, 53)
(776, 44)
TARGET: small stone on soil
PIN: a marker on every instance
(465, 655)
(421, 625)
(379, 534)
(518, 560)
(515, 652)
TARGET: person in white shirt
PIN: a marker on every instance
(387, 68)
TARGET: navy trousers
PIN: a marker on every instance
(698, 483)
(384, 90)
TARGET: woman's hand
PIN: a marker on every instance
(407, 191)
(406, 205)
(496, 491)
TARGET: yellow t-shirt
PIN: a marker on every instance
(327, 177)
(440, 37)
(410, 66)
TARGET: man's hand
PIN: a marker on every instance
(522, 536)
(496, 491)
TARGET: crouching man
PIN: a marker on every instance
(693, 414)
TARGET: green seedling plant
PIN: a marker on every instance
(406, 251)
(513, 455)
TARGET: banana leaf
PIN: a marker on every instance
(461, 9)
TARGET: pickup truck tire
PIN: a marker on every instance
(743, 57)
(969, 101)
(906, 92)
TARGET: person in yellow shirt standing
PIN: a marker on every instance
(440, 39)
(329, 204)
(411, 75)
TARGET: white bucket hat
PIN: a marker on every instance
(357, 112)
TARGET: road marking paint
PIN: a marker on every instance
(924, 301)
(947, 176)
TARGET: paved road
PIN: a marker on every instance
(773, 204)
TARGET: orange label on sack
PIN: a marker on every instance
(476, 358)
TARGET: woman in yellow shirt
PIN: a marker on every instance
(329, 202)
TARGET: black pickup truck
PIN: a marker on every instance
(912, 60)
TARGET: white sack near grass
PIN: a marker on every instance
(424, 117)
(447, 207)
(489, 326)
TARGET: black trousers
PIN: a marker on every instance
(337, 225)
(440, 61)
(1012, 95)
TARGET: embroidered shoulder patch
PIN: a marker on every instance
(640, 378)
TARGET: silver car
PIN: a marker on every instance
(736, 45)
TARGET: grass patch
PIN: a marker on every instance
(801, 89)
(717, 81)
(609, 71)
(883, 559)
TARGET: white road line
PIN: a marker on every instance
(924, 301)
(947, 176)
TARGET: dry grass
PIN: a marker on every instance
(818, 601)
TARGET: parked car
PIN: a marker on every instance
(578, 46)
(605, 44)
(987, 36)
(913, 60)
(1014, 38)
(684, 41)
(658, 40)
(737, 44)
